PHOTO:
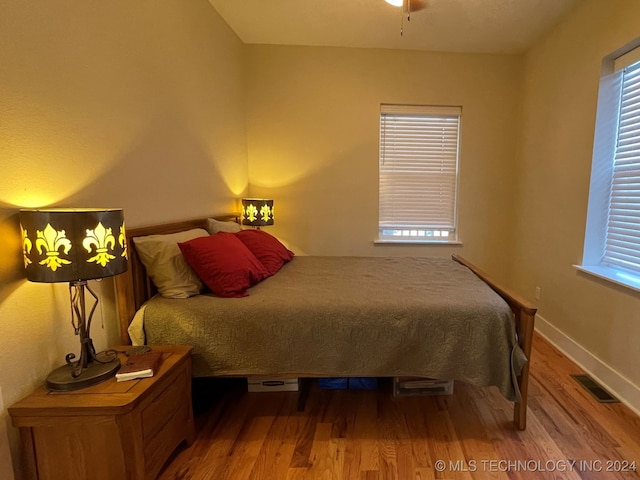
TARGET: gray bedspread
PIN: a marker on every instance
(350, 316)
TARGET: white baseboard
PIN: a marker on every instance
(619, 386)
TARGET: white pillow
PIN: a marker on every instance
(165, 264)
(215, 226)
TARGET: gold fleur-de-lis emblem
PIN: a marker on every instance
(250, 213)
(122, 240)
(265, 213)
(26, 247)
(102, 240)
(51, 241)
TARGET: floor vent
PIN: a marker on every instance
(595, 389)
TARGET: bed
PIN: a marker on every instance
(344, 316)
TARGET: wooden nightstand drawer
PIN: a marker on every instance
(158, 448)
(170, 398)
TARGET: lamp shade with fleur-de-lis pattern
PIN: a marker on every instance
(257, 212)
(66, 245)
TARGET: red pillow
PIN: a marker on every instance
(267, 248)
(224, 264)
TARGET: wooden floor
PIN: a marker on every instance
(349, 434)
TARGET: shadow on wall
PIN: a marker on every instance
(328, 209)
(162, 176)
(11, 277)
(11, 266)
(169, 169)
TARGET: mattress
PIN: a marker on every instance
(350, 316)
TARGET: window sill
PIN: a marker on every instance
(417, 242)
(614, 275)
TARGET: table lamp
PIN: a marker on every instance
(76, 245)
(257, 212)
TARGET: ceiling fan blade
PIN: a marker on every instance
(416, 5)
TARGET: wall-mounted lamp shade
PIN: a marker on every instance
(257, 212)
(395, 3)
(67, 245)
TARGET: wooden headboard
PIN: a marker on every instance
(134, 287)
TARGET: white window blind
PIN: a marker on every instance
(418, 172)
(622, 245)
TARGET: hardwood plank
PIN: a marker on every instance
(366, 433)
(374, 435)
(277, 450)
(247, 447)
(419, 435)
(307, 429)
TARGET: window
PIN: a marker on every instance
(612, 240)
(418, 173)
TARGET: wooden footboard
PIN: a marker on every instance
(525, 314)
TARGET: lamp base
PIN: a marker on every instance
(96, 372)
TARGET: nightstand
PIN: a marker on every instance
(113, 430)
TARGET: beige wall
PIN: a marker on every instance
(133, 104)
(313, 129)
(554, 160)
